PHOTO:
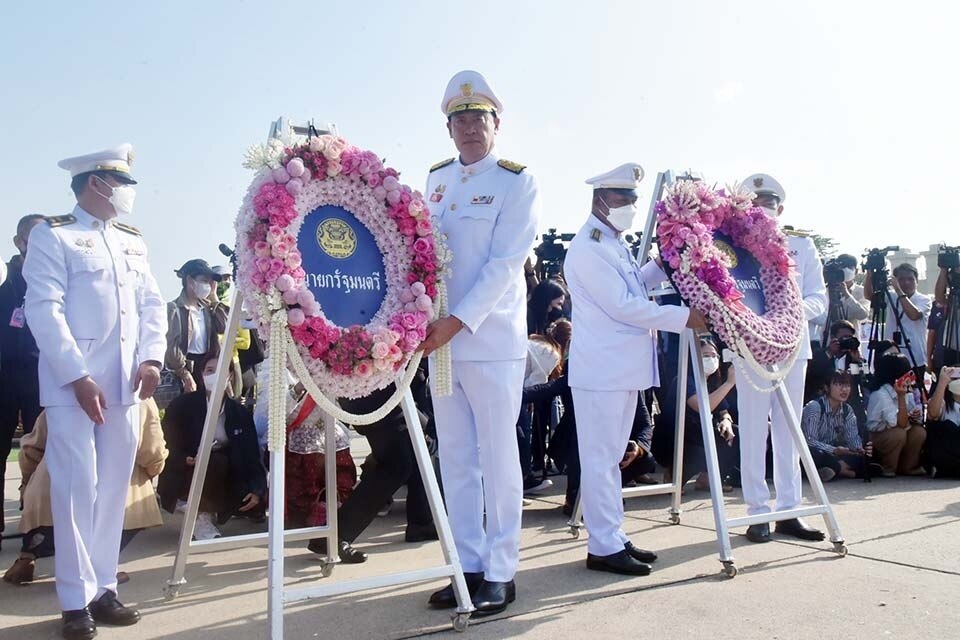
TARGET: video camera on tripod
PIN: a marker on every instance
(875, 266)
(551, 252)
(948, 259)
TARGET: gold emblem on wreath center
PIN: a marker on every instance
(336, 238)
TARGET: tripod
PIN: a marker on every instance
(835, 310)
(878, 320)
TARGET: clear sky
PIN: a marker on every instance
(851, 105)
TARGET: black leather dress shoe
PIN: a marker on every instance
(640, 554)
(108, 610)
(421, 533)
(78, 625)
(447, 599)
(347, 554)
(758, 532)
(493, 597)
(620, 562)
(797, 528)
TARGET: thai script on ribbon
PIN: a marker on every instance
(344, 282)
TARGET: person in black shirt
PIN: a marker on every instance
(19, 356)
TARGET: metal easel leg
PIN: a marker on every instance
(713, 464)
(330, 495)
(680, 409)
(172, 588)
(808, 464)
(576, 517)
(464, 604)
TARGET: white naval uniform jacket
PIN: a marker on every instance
(613, 317)
(93, 306)
(489, 211)
(813, 291)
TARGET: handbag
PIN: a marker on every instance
(170, 387)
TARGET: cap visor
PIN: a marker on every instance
(125, 178)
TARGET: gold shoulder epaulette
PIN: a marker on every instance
(61, 221)
(127, 228)
(441, 164)
(796, 233)
(511, 166)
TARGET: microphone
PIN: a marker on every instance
(225, 250)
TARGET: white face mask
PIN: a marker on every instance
(201, 289)
(773, 213)
(620, 218)
(121, 197)
(209, 381)
(848, 275)
(711, 364)
(954, 388)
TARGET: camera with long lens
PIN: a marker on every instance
(833, 272)
(875, 264)
(551, 251)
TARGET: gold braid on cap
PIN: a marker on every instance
(471, 106)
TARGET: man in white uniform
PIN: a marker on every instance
(99, 321)
(755, 407)
(612, 358)
(488, 209)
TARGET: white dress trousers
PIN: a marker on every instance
(754, 408)
(602, 441)
(480, 464)
(90, 468)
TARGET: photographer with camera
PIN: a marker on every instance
(845, 300)
(906, 309)
(943, 339)
(842, 353)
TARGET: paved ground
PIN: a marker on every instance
(901, 580)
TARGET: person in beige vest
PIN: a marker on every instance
(36, 521)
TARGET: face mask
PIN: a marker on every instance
(209, 381)
(121, 198)
(773, 213)
(201, 289)
(620, 218)
(711, 364)
(848, 275)
(954, 388)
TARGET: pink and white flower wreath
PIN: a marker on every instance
(687, 216)
(326, 170)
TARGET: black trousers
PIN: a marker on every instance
(824, 459)
(39, 541)
(19, 402)
(396, 465)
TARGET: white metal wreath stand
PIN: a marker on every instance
(690, 347)
(276, 536)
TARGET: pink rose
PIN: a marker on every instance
(333, 169)
(423, 245)
(380, 351)
(374, 180)
(261, 249)
(395, 353)
(424, 227)
(294, 259)
(409, 321)
(263, 264)
(363, 370)
(334, 148)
